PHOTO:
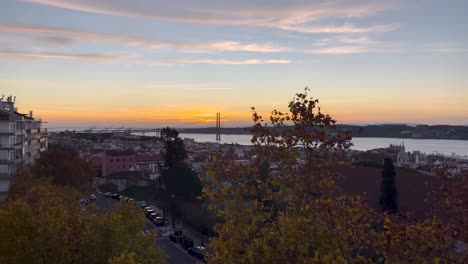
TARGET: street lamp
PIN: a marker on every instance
(182, 206)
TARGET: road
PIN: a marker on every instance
(175, 254)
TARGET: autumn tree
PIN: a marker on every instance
(118, 236)
(449, 201)
(388, 194)
(43, 222)
(282, 205)
(65, 167)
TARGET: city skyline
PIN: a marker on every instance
(84, 63)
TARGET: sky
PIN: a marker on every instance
(144, 63)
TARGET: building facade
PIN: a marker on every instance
(22, 140)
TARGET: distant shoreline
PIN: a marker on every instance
(443, 132)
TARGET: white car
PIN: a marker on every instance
(92, 197)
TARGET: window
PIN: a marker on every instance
(123, 160)
(111, 160)
(130, 159)
(117, 160)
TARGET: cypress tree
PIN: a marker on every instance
(388, 195)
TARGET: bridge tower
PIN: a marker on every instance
(218, 126)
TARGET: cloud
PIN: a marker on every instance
(300, 16)
(224, 61)
(56, 55)
(107, 58)
(65, 36)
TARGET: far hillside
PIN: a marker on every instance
(384, 130)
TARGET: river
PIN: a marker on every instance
(428, 146)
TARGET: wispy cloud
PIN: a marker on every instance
(187, 87)
(300, 16)
(224, 61)
(56, 55)
(109, 58)
(66, 35)
(352, 44)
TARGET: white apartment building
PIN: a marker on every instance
(22, 139)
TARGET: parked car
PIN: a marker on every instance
(187, 243)
(152, 216)
(149, 212)
(92, 197)
(108, 194)
(159, 221)
(143, 204)
(199, 252)
(115, 196)
(176, 236)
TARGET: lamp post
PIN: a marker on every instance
(182, 207)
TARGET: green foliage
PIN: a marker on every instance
(177, 177)
(181, 180)
(388, 195)
(174, 147)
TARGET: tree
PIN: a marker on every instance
(118, 235)
(45, 224)
(65, 167)
(388, 194)
(174, 147)
(178, 177)
(282, 205)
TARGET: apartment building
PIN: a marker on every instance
(22, 139)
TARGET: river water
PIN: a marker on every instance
(428, 146)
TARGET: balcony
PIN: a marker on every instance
(33, 131)
(19, 132)
(7, 146)
(4, 175)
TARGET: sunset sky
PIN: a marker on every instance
(177, 63)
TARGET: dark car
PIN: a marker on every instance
(199, 252)
(115, 196)
(177, 236)
(187, 243)
(159, 221)
(143, 204)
